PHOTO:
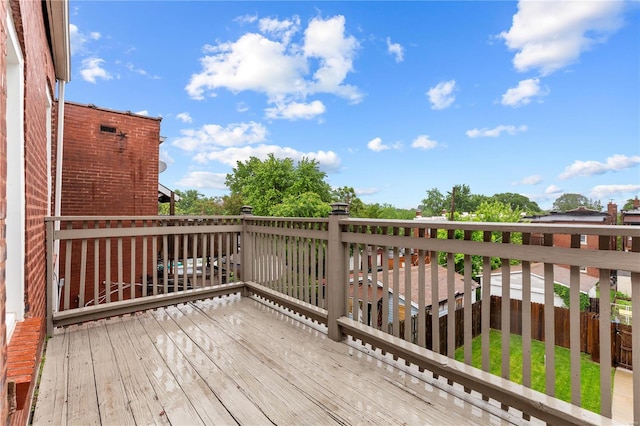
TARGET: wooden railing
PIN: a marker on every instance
(374, 280)
(101, 266)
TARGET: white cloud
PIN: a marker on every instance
(441, 96)
(396, 50)
(141, 71)
(78, 39)
(185, 117)
(551, 35)
(287, 73)
(523, 93)
(91, 69)
(366, 191)
(605, 191)
(496, 131)
(214, 136)
(590, 168)
(328, 161)
(424, 142)
(530, 180)
(553, 190)
(376, 145)
(164, 156)
(143, 112)
(203, 180)
(296, 110)
(246, 19)
(282, 30)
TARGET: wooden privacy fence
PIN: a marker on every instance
(589, 329)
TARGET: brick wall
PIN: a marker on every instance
(107, 173)
(39, 79)
(110, 168)
(3, 209)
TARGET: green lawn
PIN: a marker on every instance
(590, 371)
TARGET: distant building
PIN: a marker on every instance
(630, 217)
(579, 216)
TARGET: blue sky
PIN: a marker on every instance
(391, 98)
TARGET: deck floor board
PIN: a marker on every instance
(229, 361)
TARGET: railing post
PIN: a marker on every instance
(50, 268)
(336, 284)
(246, 246)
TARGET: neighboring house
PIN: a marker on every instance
(560, 276)
(110, 167)
(34, 65)
(110, 162)
(377, 294)
(579, 216)
(630, 217)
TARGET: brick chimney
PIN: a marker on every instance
(612, 210)
(636, 203)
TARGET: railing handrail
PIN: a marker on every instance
(555, 228)
(140, 218)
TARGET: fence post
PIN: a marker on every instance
(50, 268)
(246, 261)
(336, 284)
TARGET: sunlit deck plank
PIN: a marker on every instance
(234, 360)
(276, 397)
(52, 405)
(195, 388)
(359, 387)
(141, 397)
(81, 393)
(176, 406)
(314, 365)
(109, 388)
(199, 354)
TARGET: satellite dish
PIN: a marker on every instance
(162, 166)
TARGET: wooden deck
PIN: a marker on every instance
(232, 361)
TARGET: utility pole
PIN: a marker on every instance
(453, 203)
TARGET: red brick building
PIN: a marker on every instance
(34, 63)
(109, 168)
(630, 217)
(110, 162)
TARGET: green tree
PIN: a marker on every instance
(266, 184)
(464, 200)
(434, 203)
(308, 204)
(347, 194)
(567, 202)
(232, 204)
(517, 201)
(487, 212)
(629, 204)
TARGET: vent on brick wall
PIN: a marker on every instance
(107, 129)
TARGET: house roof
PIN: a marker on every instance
(164, 194)
(581, 214)
(442, 283)
(561, 275)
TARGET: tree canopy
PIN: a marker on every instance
(265, 184)
(567, 202)
(192, 202)
(465, 201)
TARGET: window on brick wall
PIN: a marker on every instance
(15, 218)
(583, 239)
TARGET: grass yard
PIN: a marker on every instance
(590, 371)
